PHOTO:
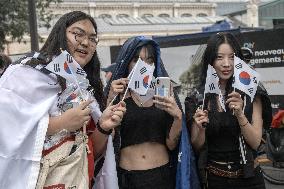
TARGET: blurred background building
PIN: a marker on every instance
(120, 19)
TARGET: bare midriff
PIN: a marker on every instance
(143, 156)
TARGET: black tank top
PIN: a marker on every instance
(144, 124)
(222, 137)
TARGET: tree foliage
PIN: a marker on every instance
(190, 79)
(14, 16)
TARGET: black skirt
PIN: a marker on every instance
(157, 178)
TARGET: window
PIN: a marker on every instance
(164, 15)
(122, 16)
(104, 16)
(147, 15)
(201, 15)
(186, 15)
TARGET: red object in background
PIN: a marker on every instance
(277, 119)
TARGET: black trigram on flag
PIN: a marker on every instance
(56, 67)
(211, 86)
(239, 65)
(152, 85)
(250, 90)
(80, 71)
(143, 70)
(136, 83)
(215, 75)
(69, 58)
(254, 80)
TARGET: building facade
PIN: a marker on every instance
(120, 19)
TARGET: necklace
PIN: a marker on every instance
(137, 100)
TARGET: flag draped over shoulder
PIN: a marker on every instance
(107, 177)
(141, 77)
(186, 177)
(245, 78)
(26, 95)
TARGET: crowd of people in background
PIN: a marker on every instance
(60, 125)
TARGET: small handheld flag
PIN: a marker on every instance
(212, 86)
(245, 78)
(141, 77)
(66, 66)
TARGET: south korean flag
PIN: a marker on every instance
(141, 77)
(66, 66)
(212, 85)
(150, 93)
(245, 78)
(212, 81)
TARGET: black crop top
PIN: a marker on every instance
(222, 137)
(144, 124)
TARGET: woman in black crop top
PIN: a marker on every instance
(229, 140)
(147, 132)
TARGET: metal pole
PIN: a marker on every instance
(33, 25)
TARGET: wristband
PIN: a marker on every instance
(101, 130)
(244, 124)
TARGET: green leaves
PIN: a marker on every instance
(14, 18)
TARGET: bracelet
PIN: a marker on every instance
(102, 130)
(244, 124)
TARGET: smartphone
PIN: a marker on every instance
(163, 86)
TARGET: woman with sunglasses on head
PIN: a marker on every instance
(44, 112)
(150, 128)
(228, 144)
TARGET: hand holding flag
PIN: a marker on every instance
(67, 67)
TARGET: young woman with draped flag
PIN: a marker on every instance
(149, 133)
(48, 138)
(227, 146)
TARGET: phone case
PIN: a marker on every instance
(163, 85)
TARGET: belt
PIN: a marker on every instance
(224, 173)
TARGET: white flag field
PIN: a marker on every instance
(212, 81)
(141, 77)
(212, 85)
(245, 78)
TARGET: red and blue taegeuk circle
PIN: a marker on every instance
(244, 78)
(66, 68)
(145, 81)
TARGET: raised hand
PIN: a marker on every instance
(200, 118)
(71, 120)
(112, 116)
(235, 102)
(168, 104)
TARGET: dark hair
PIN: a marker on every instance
(150, 51)
(57, 40)
(210, 55)
(5, 61)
